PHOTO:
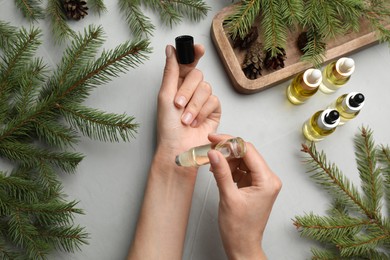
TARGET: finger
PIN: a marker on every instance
(171, 74)
(222, 174)
(188, 87)
(211, 106)
(216, 138)
(199, 51)
(198, 99)
(256, 164)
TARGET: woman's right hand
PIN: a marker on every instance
(247, 189)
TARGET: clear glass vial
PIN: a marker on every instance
(303, 86)
(321, 124)
(197, 156)
(348, 105)
(336, 74)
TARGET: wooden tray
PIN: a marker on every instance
(232, 58)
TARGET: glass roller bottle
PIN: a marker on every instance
(197, 156)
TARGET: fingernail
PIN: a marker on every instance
(168, 51)
(187, 118)
(181, 101)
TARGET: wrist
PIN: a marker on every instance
(254, 254)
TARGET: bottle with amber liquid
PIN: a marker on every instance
(321, 124)
(197, 156)
(303, 86)
(337, 74)
(348, 105)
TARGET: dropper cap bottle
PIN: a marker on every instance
(321, 124)
(336, 74)
(303, 86)
(348, 105)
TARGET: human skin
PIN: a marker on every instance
(247, 189)
(187, 113)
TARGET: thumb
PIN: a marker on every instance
(171, 73)
(222, 173)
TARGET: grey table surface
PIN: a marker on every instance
(110, 181)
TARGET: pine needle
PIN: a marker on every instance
(31, 9)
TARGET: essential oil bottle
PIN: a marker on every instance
(348, 105)
(321, 124)
(336, 74)
(197, 156)
(303, 86)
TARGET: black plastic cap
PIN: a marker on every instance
(185, 49)
(331, 117)
(356, 100)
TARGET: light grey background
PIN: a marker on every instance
(110, 181)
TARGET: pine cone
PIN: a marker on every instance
(75, 9)
(253, 61)
(275, 62)
(302, 41)
(248, 39)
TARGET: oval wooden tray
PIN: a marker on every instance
(232, 58)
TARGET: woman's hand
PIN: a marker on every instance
(187, 110)
(248, 189)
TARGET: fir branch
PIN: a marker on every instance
(314, 51)
(52, 213)
(329, 229)
(140, 25)
(369, 173)
(109, 64)
(384, 159)
(65, 238)
(31, 156)
(31, 9)
(275, 31)
(16, 56)
(168, 13)
(60, 28)
(100, 125)
(292, 11)
(55, 134)
(18, 189)
(195, 10)
(239, 23)
(97, 6)
(24, 235)
(330, 177)
(7, 34)
(77, 55)
(324, 254)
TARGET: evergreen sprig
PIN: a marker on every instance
(323, 21)
(171, 13)
(41, 114)
(355, 226)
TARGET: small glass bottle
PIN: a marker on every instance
(336, 74)
(348, 105)
(197, 156)
(321, 124)
(303, 86)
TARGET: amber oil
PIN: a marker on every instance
(321, 124)
(303, 86)
(197, 156)
(348, 105)
(337, 74)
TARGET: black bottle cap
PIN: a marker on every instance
(331, 117)
(356, 100)
(185, 49)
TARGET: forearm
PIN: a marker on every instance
(160, 232)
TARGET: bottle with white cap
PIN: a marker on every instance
(336, 74)
(348, 105)
(321, 124)
(303, 86)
